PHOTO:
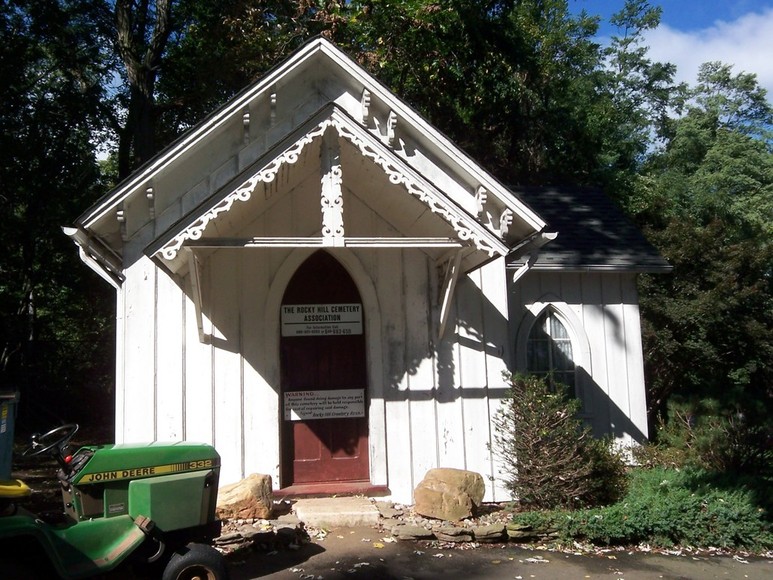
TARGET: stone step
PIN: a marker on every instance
(336, 512)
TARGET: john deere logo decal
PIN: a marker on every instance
(139, 472)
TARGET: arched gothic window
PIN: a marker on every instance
(549, 351)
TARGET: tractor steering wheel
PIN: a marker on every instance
(57, 438)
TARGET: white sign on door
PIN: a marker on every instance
(333, 404)
(321, 319)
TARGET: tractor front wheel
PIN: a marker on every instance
(196, 562)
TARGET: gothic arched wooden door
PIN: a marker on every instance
(323, 376)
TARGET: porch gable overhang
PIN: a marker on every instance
(479, 242)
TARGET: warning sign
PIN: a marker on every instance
(321, 319)
(334, 404)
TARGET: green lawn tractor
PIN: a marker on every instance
(144, 508)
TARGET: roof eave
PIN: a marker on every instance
(178, 147)
(145, 173)
(602, 268)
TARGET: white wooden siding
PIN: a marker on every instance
(438, 398)
(169, 360)
(431, 401)
(137, 415)
(226, 392)
(606, 306)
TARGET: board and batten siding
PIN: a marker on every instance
(601, 313)
(430, 400)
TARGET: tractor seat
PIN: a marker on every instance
(13, 489)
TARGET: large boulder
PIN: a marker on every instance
(250, 498)
(449, 494)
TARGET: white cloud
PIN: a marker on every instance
(745, 43)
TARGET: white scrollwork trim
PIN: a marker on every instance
(365, 106)
(398, 177)
(268, 173)
(332, 198)
(242, 193)
(481, 197)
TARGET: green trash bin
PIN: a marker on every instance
(8, 402)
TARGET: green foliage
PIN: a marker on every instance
(699, 435)
(53, 311)
(218, 48)
(550, 459)
(640, 91)
(667, 507)
(707, 325)
(511, 82)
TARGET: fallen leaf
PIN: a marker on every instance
(378, 545)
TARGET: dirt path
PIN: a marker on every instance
(366, 553)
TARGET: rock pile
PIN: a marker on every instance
(284, 532)
(492, 525)
(448, 510)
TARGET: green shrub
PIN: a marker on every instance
(667, 507)
(704, 435)
(550, 458)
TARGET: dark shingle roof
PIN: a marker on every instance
(593, 233)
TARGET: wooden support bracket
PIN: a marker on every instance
(453, 267)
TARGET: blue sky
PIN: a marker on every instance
(737, 32)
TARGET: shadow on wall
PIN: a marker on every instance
(599, 410)
(481, 328)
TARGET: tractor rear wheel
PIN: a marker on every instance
(196, 562)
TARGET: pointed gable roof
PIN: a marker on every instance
(182, 195)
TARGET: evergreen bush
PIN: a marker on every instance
(664, 508)
(703, 435)
(549, 457)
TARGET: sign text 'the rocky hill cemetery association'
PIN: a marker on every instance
(321, 319)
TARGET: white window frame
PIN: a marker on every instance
(581, 354)
(546, 324)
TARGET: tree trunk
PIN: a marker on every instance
(142, 31)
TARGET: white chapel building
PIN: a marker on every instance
(324, 287)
